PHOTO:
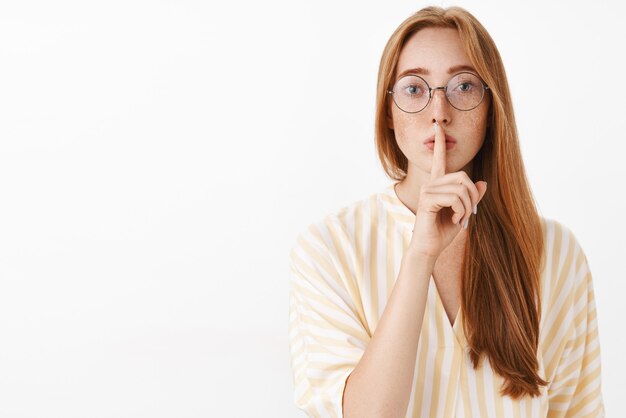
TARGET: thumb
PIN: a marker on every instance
(482, 189)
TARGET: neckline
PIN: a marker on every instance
(397, 209)
(457, 327)
(403, 215)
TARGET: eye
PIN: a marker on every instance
(413, 89)
(466, 87)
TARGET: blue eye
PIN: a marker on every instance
(465, 87)
(413, 89)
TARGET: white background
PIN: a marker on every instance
(158, 159)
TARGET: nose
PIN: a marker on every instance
(439, 106)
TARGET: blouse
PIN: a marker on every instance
(342, 270)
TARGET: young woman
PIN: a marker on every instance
(446, 294)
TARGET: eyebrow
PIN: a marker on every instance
(424, 71)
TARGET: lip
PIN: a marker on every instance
(430, 142)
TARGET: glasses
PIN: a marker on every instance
(464, 92)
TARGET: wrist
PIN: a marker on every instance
(413, 256)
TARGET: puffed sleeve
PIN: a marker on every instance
(576, 388)
(326, 333)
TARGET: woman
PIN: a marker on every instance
(446, 294)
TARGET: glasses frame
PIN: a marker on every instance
(444, 88)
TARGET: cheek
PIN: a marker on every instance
(407, 129)
(476, 123)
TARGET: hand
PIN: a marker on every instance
(445, 203)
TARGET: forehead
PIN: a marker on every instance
(433, 49)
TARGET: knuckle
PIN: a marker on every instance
(460, 202)
(463, 192)
(462, 175)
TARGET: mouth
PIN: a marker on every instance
(430, 143)
(431, 139)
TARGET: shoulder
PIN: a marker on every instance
(337, 230)
(565, 269)
(554, 229)
(561, 246)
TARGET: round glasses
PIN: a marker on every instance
(464, 91)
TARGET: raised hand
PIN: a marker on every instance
(445, 203)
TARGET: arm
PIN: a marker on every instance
(328, 331)
(576, 387)
(340, 367)
(380, 384)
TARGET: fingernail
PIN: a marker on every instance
(466, 222)
(475, 209)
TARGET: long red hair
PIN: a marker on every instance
(503, 259)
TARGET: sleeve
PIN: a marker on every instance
(575, 390)
(326, 333)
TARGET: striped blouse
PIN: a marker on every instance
(341, 273)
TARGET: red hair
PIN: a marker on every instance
(503, 259)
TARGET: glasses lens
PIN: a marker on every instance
(411, 93)
(465, 91)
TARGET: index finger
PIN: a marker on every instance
(438, 167)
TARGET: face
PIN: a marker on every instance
(437, 50)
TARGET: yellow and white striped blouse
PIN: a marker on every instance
(342, 271)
